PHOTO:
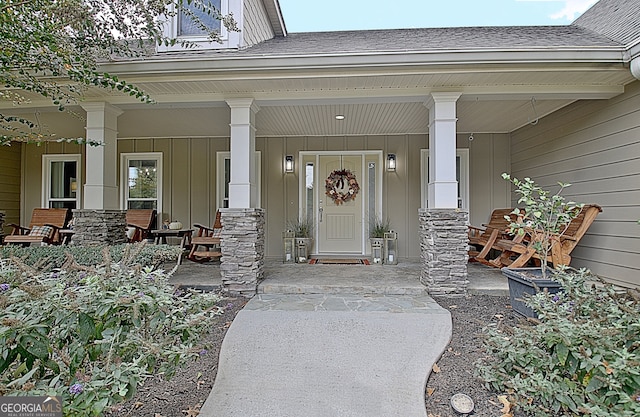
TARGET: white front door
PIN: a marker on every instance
(340, 225)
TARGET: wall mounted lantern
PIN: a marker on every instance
(391, 162)
(288, 163)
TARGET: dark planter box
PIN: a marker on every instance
(522, 282)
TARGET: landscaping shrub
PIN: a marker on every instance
(581, 357)
(92, 336)
(54, 257)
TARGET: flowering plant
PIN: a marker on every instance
(545, 216)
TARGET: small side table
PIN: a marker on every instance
(160, 237)
(65, 236)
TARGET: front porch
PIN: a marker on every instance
(280, 278)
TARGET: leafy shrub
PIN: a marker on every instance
(54, 257)
(582, 357)
(93, 337)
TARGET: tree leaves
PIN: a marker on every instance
(52, 49)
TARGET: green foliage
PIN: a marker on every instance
(93, 337)
(545, 215)
(302, 227)
(581, 358)
(46, 258)
(51, 49)
(378, 227)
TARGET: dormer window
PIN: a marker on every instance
(187, 28)
(181, 27)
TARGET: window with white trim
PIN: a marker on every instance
(141, 180)
(61, 182)
(182, 27)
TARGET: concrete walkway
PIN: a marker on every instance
(288, 355)
(331, 340)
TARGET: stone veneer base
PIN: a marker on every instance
(444, 247)
(99, 227)
(242, 245)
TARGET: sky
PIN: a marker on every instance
(330, 15)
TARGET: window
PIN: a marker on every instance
(186, 26)
(182, 27)
(462, 176)
(141, 181)
(61, 181)
(224, 178)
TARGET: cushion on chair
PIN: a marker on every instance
(41, 231)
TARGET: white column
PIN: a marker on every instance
(243, 190)
(101, 189)
(443, 186)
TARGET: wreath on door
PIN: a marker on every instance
(337, 181)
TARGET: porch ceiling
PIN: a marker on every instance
(495, 99)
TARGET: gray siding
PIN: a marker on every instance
(256, 26)
(190, 167)
(595, 146)
(10, 183)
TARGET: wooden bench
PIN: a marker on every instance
(517, 253)
(142, 221)
(483, 238)
(205, 244)
(43, 228)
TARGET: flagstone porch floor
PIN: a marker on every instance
(280, 278)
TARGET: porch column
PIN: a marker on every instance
(100, 221)
(243, 235)
(243, 190)
(100, 189)
(443, 227)
(443, 186)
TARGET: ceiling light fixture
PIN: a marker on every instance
(339, 117)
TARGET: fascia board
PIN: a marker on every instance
(162, 66)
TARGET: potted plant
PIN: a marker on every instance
(544, 217)
(303, 231)
(377, 229)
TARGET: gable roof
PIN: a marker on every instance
(433, 39)
(617, 19)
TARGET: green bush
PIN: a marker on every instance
(582, 357)
(54, 257)
(92, 337)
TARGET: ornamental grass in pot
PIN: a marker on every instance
(303, 230)
(377, 228)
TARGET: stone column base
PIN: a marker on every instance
(242, 245)
(99, 227)
(444, 245)
(2, 214)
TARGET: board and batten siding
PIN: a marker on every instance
(10, 161)
(595, 146)
(190, 171)
(189, 168)
(256, 26)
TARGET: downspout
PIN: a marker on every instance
(635, 67)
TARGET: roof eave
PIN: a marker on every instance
(243, 62)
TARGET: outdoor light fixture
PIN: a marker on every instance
(391, 162)
(339, 117)
(288, 163)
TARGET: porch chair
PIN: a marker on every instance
(516, 254)
(140, 222)
(207, 238)
(483, 238)
(43, 228)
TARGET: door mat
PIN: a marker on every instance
(339, 262)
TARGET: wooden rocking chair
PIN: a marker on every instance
(140, 222)
(205, 244)
(483, 238)
(44, 227)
